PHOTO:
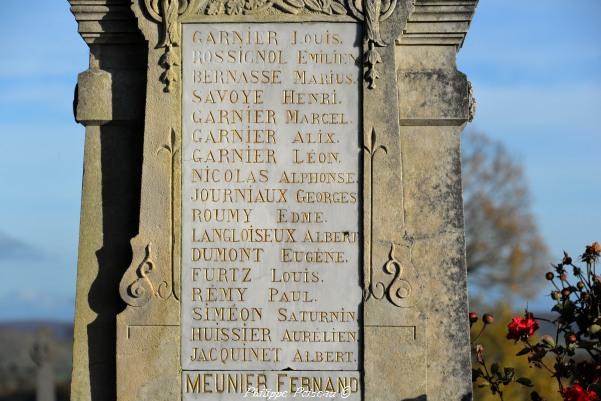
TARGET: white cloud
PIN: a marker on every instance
(15, 249)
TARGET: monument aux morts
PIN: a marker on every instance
(272, 201)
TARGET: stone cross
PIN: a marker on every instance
(42, 354)
(272, 201)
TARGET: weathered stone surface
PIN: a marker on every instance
(414, 104)
(94, 97)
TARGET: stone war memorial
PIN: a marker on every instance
(272, 201)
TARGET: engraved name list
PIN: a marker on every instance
(270, 209)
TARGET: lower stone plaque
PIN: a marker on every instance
(269, 385)
(271, 291)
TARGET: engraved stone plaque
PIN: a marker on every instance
(271, 291)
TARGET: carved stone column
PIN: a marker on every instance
(424, 312)
(109, 102)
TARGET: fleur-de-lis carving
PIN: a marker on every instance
(171, 150)
(371, 149)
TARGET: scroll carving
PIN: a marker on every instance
(398, 290)
(141, 290)
(168, 13)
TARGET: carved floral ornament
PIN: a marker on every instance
(169, 13)
(250, 7)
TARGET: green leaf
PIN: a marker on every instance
(523, 352)
(509, 373)
(525, 381)
(494, 368)
(534, 396)
(476, 374)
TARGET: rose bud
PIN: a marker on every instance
(563, 277)
(571, 338)
(487, 318)
(549, 276)
(567, 260)
(473, 317)
(597, 279)
(566, 292)
(480, 353)
(596, 247)
(580, 285)
(547, 339)
(556, 295)
(577, 271)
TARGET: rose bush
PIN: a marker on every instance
(573, 355)
(577, 393)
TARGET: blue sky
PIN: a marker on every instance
(535, 67)
(536, 70)
(40, 159)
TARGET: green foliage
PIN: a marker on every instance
(570, 358)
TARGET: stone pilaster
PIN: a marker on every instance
(109, 101)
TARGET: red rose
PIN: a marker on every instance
(521, 327)
(577, 393)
